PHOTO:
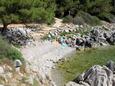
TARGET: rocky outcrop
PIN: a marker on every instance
(19, 35)
(96, 76)
(80, 36)
(17, 74)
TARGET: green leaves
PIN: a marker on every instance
(44, 11)
(16, 11)
(7, 51)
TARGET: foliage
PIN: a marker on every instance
(68, 19)
(93, 7)
(91, 20)
(108, 17)
(17, 11)
(44, 11)
(97, 6)
(81, 61)
(78, 20)
(66, 7)
(7, 51)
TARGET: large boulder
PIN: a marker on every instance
(96, 76)
(99, 76)
(95, 34)
(88, 42)
(111, 65)
(79, 41)
(73, 84)
(111, 38)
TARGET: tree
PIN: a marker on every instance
(21, 11)
(67, 7)
(96, 6)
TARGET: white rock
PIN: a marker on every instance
(9, 75)
(103, 44)
(1, 70)
(72, 84)
(1, 85)
(17, 63)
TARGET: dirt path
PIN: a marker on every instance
(43, 55)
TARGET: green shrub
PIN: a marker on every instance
(91, 20)
(7, 51)
(78, 20)
(68, 19)
(107, 17)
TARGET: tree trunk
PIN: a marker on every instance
(4, 29)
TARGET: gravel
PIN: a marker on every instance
(43, 55)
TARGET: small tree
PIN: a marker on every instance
(66, 7)
(22, 11)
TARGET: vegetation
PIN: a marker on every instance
(44, 11)
(23, 11)
(88, 10)
(81, 61)
(7, 51)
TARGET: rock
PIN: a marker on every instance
(66, 30)
(94, 34)
(88, 43)
(22, 31)
(106, 35)
(114, 80)
(79, 78)
(79, 41)
(18, 35)
(84, 83)
(72, 84)
(111, 65)
(1, 70)
(95, 76)
(1, 85)
(103, 44)
(17, 63)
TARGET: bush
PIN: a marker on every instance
(7, 51)
(107, 17)
(91, 20)
(68, 19)
(81, 18)
(78, 20)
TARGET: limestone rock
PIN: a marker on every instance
(96, 76)
(111, 65)
(73, 84)
(18, 35)
(1, 85)
(1, 70)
